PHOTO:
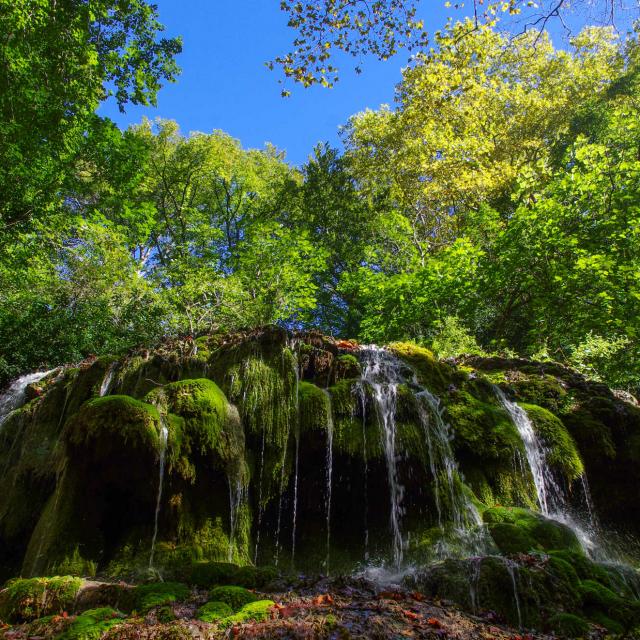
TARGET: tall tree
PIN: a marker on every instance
(59, 60)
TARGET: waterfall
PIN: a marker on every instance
(260, 506)
(467, 522)
(164, 435)
(297, 456)
(236, 498)
(551, 499)
(548, 493)
(105, 387)
(382, 372)
(512, 568)
(295, 502)
(360, 392)
(16, 393)
(329, 467)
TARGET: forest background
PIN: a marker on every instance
(494, 208)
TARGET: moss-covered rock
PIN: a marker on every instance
(157, 594)
(567, 625)
(29, 599)
(561, 451)
(92, 624)
(214, 611)
(236, 597)
(257, 611)
(516, 530)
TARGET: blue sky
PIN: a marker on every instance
(225, 85)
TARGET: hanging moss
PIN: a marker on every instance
(133, 424)
(205, 418)
(561, 449)
(483, 430)
(314, 406)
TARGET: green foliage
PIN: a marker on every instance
(29, 599)
(60, 61)
(601, 358)
(451, 338)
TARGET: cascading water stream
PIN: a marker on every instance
(15, 395)
(236, 499)
(382, 372)
(105, 387)
(296, 462)
(329, 467)
(164, 436)
(360, 392)
(550, 496)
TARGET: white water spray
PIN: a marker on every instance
(16, 393)
(164, 436)
(382, 372)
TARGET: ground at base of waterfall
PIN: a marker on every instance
(338, 609)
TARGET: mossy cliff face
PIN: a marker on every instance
(275, 453)
(586, 426)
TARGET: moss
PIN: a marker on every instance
(257, 611)
(214, 611)
(27, 599)
(598, 599)
(203, 408)
(543, 390)
(236, 597)
(134, 424)
(568, 625)
(561, 450)
(156, 594)
(75, 565)
(166, 614)
(482, 428)
(516, 530)
(92, 624)
(314, 406)
(346, 366)
(434, 375)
